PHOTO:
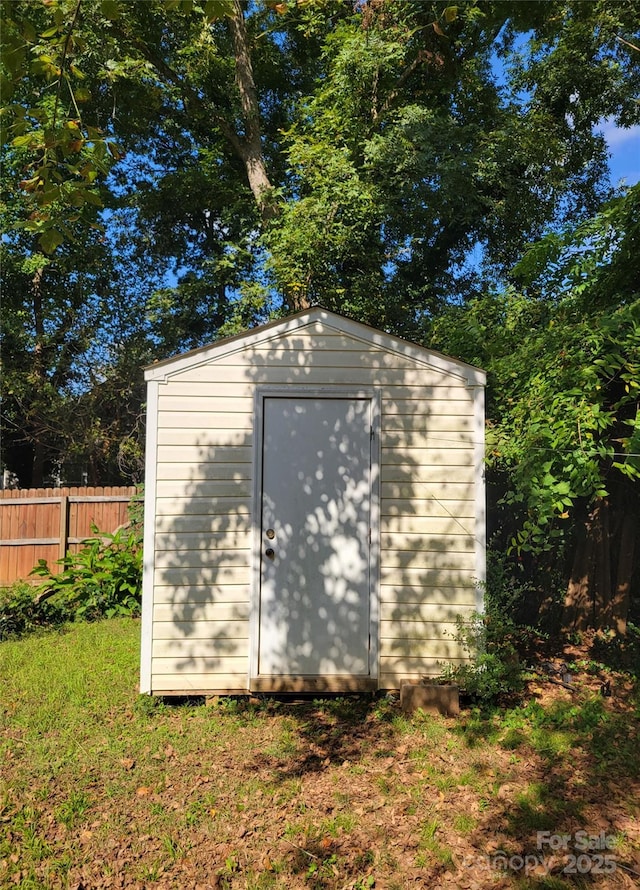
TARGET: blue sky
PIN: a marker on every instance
(624, 146)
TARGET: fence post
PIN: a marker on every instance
(64, 525)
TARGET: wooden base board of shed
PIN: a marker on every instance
(314, 684)
(283, 685)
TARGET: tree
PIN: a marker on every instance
(563, 355)
(252, 158)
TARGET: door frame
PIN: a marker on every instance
(255, 681)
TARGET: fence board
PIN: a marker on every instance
(46, 523)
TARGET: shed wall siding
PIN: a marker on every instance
(203, 527)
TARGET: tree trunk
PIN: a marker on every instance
(250, 145)
(37, 465)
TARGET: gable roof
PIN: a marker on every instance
(162, 370)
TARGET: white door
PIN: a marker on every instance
(315, 537)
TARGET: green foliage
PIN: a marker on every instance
(563, 358)
(619, 652)
(499, 640)
(21, 613)
(494, 672)
(256, 157)
(102, 580)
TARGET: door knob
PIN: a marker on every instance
(269, 552)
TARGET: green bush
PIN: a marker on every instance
(21, 613)
(494, 671)
(104, 579)
(497, 642)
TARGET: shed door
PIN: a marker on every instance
(315, 537)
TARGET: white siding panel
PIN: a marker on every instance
(427, 438)
(176, 620)
(205, 470)
(221, 390)
(238, 399)
(228, 639)
(202, 575)
(201, 421)
(194, 454)
(400, 489)
(424, 522)
(212, 559)
(222, 540)
(421, 526)
(393, 670)
(274, 374)
(442, 422)
(174, 489)
(412, 543)
(401, 632)
(398, 619)
(420, 475)
(412, 401)
(310, 357)
(411, 652)
(204, 438)
(198, 596)
(425, 565)
(203, 522)
(401, 596)
(437, 642)
(438, 406)
(412, 458)
(191, 675)
(203, 498)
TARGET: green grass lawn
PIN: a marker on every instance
(102, 788)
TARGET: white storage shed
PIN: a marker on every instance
(314, 511)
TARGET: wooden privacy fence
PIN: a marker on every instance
(46, 523)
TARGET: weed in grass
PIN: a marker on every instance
(148, 706)
(464, 823)
(343, 799)
(62, 866)
(446, 782)
(194, 814)
(285, 746)
(34, 847)
(72, 811)
(384, 785)
(320, 871)
(150, 872)
(428, 831)
(537, 808)
(548, 882)
(429, 844)
(364, 883)
(385, 709)
(384, 753)
(231, 865)
(431, 728)
(292, 831)
(512, 739)
(364, 860)
(173, 848)
(262, 881)
(342, 823)
(402, 725)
